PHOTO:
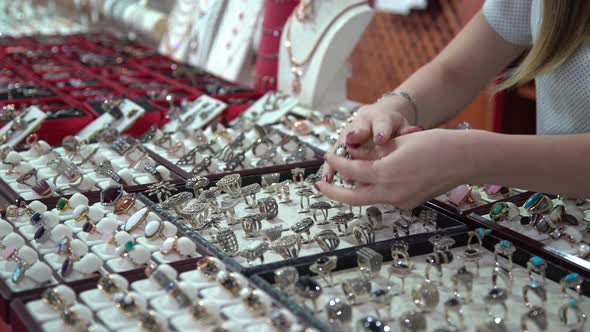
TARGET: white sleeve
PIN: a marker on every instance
(511, 19)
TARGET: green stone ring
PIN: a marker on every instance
(504, 211)
(62, 204)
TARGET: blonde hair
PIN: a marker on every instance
(565, 26)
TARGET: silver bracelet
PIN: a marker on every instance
(407, 97)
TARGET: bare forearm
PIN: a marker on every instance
(552, 164)
(443, 87)
(440, 94)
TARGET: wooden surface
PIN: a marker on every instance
(395, 46)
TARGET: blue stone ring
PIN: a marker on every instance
(538, 203)
(571, 281)
(537, 265)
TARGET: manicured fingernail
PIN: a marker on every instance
(350, 133)
(379, 137)
(354, 146)
(316, 186)
(324, 157)
(325, 178)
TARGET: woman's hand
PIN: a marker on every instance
(374, 125)
(418, 167)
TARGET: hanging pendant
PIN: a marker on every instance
(296, 83)
(304, 11)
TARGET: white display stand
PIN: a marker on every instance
(205, 25)
(231, 53)
(180, 24)
(32, 118)
(202, 111)
(131, 113)
(262, 116)
(323, 82)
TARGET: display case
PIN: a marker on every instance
(251, 220)
(464, 283)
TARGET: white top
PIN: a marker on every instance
(563, 95)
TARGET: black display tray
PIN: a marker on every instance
(417, 246)
(447, 225)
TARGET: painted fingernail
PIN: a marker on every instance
(325, 178)
(379, 137)
(351, 133)
(316, 186)
(324, 157)
(354, 146)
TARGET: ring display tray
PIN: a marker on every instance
(290, 213)
(10, 291)
(419, 249)
(532, 239)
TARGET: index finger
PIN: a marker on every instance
(357, 170)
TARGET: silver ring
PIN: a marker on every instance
(375, 217)
(268, 207)
(401, 265)
(257, 252)
(539, 290)
(309, 289)
(538, 316)
(324, 207)
(580, 315)
(413, 321)
(357, 290)
(338, 311)
(364, 234)
(228, 241)
(272, 234)
(372, 324)
(303, 226)
(504, 248)
(230, 184)
(285, 278)
(288, 246)
(341, 220)
(537, 265)
(176, 201)
(463, 278)
(506, 277)
(369, 261)
(453, 305)
(572, 281)
(323, 267)
(425, 296)
(251, 225)
(250, 191)
(327, 239)
(496, 296)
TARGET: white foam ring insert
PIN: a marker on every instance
(288, 216)
(474, 313)
(44, 172)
